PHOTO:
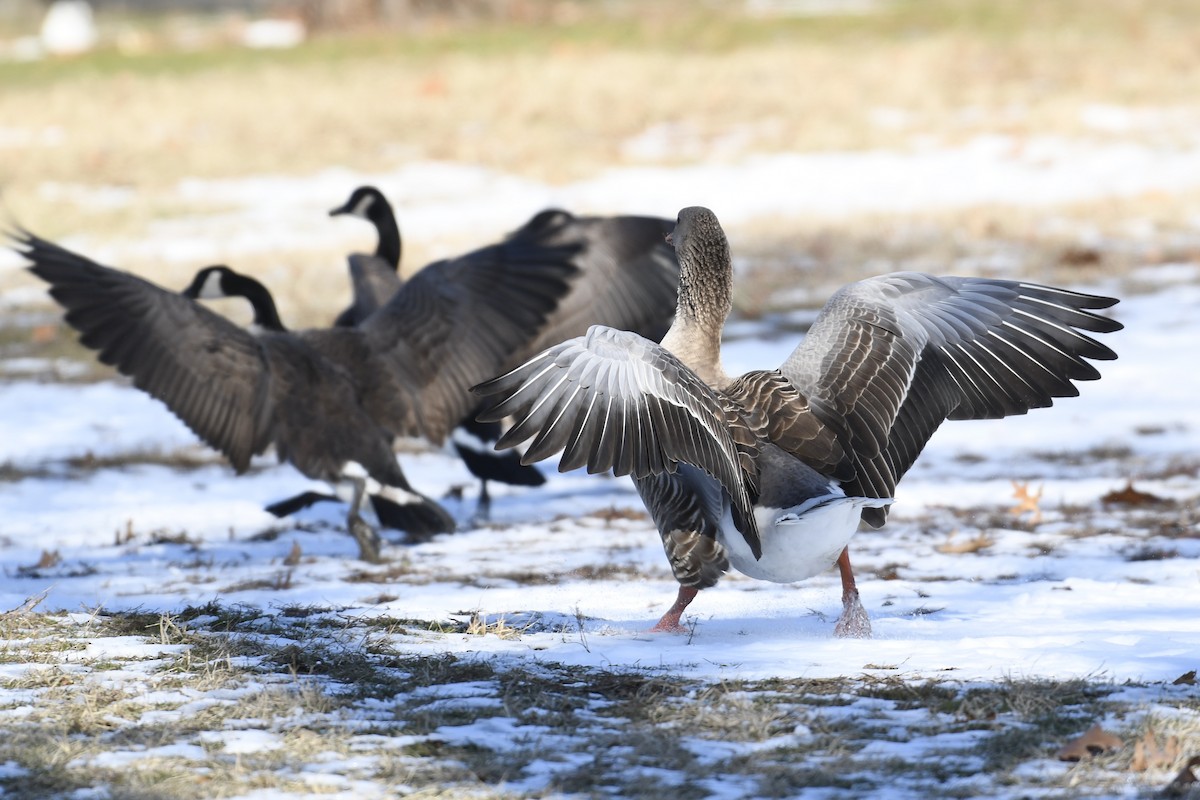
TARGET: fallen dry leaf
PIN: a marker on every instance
(972, 545)
(1183, 783)
(1093, 743)
(1026, 502)
(50, 558)
(293, 556)
(1148, 754)
(1130, 496)
(41, 334)
(1186, 679)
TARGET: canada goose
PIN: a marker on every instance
(238, 391)
(374, 277)
(331, 400)
(418, 520)
(772, 471)
(627, 279)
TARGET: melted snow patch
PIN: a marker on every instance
(242, 742)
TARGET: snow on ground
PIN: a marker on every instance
(95, 513)
(1083, 609)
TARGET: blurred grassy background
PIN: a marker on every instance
(559, 100)
(559, 91)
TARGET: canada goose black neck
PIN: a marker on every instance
(705, 293)
(389, 246)
(220, 281)
(370, 204)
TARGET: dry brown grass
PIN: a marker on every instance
(561, 103)
(328, 691)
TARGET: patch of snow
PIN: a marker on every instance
(119, 759)
(449, 207)
(241, 742)
(274, 34)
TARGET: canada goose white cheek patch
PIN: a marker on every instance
(211, 289)
(363, 206)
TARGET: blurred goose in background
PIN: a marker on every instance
(627, 279)
(331, 400)
(419, 521)
(238, 391)
(374, 277)
(772, 472)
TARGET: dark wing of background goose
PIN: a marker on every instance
(628, 279)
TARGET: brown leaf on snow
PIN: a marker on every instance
(1093, 743)
(1186, 679)
(1185, 781)
(1130, 496)
(972, 545)
(41, 334)
(49, 559)
(1026, 502)
(1148, 754)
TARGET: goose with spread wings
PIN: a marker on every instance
(330, 400)
(771, 472)
(418, 517)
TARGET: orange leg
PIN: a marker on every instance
(854, 622)
(670, 620)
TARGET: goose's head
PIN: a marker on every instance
(218, 281)
(212, 283)
(705, 270)
(549, 218)
(365, 201)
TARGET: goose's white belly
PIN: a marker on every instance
(797, 542)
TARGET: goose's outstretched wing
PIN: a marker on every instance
(459, 322)
(890, 358)
(613, 400)
(628, 275)
(211, 374)
(373, 281)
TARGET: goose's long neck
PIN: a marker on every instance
(266, 316)
(705, 299)
(389, 232)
